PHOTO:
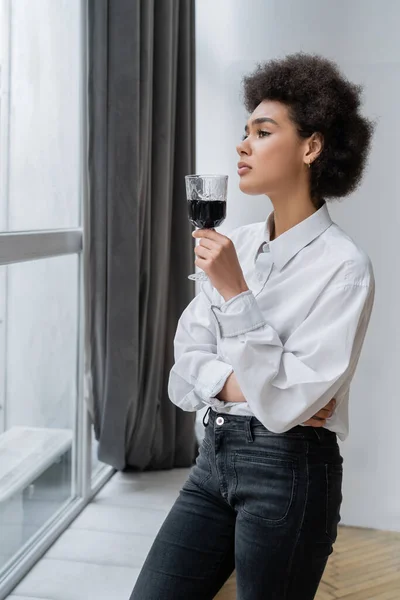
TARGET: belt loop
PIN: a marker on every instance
(249, 433)
(205, 415)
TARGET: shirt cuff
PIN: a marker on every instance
(216, 402)
(210, 381)
(238, 315)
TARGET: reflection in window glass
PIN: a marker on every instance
(38, 395)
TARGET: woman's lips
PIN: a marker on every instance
(243, 170)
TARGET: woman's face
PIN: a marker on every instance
(273, 150)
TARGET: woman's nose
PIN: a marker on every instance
(242, 147)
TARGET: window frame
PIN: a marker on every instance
(24, 246)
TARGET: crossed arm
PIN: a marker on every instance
(201, 376)
(231, 392)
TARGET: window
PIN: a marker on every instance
(47, 451)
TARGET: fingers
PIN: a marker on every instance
(315, 422)
(319, 419)
(330, 406)
(201, 252)
(324, 413)
(328, 410)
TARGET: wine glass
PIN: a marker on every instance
(206, 197)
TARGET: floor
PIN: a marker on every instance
(365, 565)
(100, 555)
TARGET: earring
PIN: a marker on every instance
(309, 165)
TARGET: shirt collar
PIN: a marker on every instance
(288, 244)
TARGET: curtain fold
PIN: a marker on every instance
(138, 246)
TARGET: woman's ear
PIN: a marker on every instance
(316, 144)
(314, 147)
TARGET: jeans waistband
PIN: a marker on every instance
(240, 421)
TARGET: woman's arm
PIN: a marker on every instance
(231, 392)
(286, 384)
(198, 373)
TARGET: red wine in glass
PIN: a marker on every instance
(206, 197)
(207, 214)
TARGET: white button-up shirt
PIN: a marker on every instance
(293, 339)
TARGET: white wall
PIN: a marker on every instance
(362, 37)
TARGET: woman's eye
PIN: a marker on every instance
(259, 131)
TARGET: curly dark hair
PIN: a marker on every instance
(319, 99)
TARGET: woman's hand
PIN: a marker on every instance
(319, 419)
(216, 255)
(231, 392)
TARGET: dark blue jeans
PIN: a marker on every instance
(262, 503)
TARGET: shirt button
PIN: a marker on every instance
(259, 276)
(219, 420)
(266, 247)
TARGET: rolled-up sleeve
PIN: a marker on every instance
(198, 373)
(286, 384)
(238, 315)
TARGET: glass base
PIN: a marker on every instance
(198, 276)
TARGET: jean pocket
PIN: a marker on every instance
(265, 486)
(334, 478)
(201, 471)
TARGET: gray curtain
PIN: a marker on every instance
(138, 247)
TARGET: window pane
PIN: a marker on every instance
(38, 394)
(41, 115)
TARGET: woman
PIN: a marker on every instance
(272, 337)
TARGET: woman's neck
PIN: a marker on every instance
(286, 217)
